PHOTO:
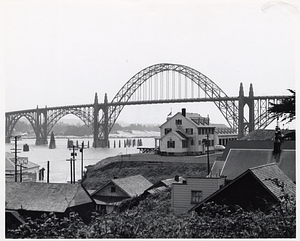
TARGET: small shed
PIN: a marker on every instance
(111, 194)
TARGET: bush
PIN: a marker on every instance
(152, 217)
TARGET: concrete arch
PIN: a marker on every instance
(228, 108)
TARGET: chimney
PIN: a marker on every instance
(183, 112)
(277, 141)
(176, 178)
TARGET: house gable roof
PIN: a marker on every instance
(177, 134)
(188, 117)
(133, 185)
(263, 175)
(266, 173)
(46, 197)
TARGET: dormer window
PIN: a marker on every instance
(178, 122)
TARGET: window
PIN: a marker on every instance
(178, 122)
(192, 142)
(189, 131)
(167, 130)
(170, 144)
(196, 196)
(112, 189)
(184, 144)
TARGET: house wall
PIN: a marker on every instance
(181, 193)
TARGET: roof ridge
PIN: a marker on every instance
(267, 164)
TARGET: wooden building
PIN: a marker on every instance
(32, 199)
(256, 188)
(111, 194)
(186, 134)
(193, 191)
(30, 170)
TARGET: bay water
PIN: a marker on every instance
(59, 167)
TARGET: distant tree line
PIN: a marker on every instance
(63, 129)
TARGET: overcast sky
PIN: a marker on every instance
(62, 52)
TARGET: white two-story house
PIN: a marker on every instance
(186, 134)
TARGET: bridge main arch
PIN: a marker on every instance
(228, 108)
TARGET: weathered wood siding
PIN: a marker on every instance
(181, 193)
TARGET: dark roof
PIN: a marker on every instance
(263, 175)
(257, 144)
(47, 197)
(239, 160)
(263, 134)
(265, 172)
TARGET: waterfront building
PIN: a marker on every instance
(30, 170)
(189, 133)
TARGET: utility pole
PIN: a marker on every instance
(48, 171)
(81, 150)
(207, 152)
(73, 155)
(16, 150)
(21, 162)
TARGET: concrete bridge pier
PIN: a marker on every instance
(242, 124)
(41, 127)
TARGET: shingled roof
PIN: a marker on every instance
(133, 185)
(252, 186)
(47, 197)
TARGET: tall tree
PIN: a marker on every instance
(285, 109)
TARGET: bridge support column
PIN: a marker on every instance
(41, 128)
(96, 122)
(251, 109)
(105, 127)
(241, 112)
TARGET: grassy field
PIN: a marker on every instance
(151, 166)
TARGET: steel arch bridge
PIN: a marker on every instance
(159, 83)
